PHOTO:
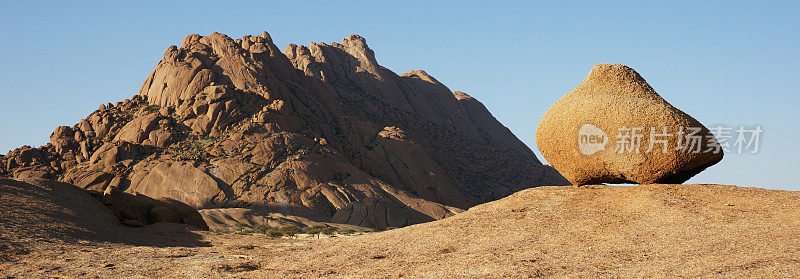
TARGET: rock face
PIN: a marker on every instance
(321, 132)
(232, 219)
(614, 128)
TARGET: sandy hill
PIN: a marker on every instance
(595, 231)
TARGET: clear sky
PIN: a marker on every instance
(721, 62)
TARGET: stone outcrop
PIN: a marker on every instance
(144, 210)
(150, 129)
(321, 132)
(614, 128)
(57, 211)
(177, 180)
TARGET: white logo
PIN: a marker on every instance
(591, 139)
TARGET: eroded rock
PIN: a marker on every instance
(614, 128)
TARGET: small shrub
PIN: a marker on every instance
(236, 267)
(191, 149)
(152, 108)
(274, 233)
(262, 229)
(290, 231)
(314, 229)
(329, 231)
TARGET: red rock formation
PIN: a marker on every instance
(323, 132)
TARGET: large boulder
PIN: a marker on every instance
(63, 139)
(614, 128)
(138, 130)
(149, 129)
(179, 181)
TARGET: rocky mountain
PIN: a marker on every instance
(320, 131)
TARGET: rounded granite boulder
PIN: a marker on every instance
(614, 128)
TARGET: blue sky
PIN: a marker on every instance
(721, 62)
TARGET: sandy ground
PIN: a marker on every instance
(597, 231)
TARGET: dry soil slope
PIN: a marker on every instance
(652, 230)
(34, 212)
(603, 231)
